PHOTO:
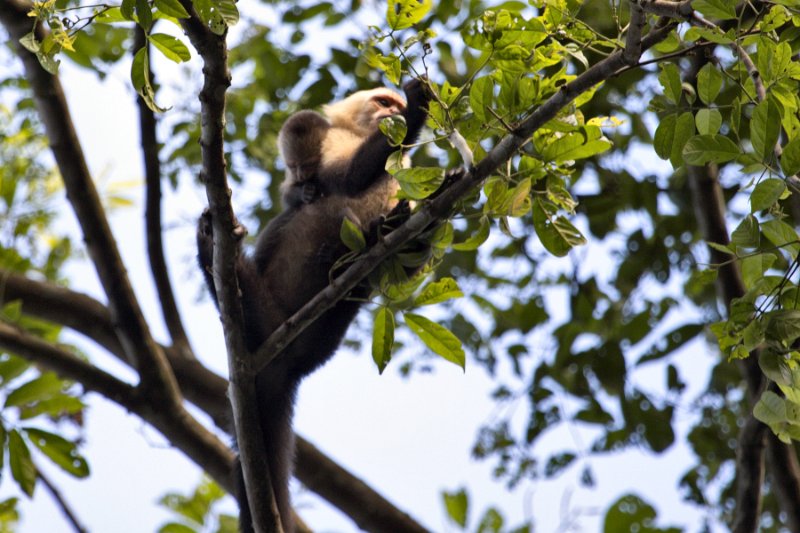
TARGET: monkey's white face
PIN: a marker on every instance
(382, 106)
(361, 112)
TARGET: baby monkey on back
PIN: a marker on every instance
(319, 150)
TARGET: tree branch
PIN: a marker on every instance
(368, 509)
(227, 233)
(62, 503)
(155, 245)
(176, 425)
(91, 318)
(54, 112)
(749, 475)
(665, 8)
(785, 475)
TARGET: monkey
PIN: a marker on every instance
(294, 255)
(316, 149)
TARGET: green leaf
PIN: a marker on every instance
(437, 337)
(709, 83)
(401, 14)
(747, 233)
(717, 9)
(140, 78)
(394, 128)
(671, 135)
(664, 135)
(492, 522)
(575, 151)
(684, 129)
(172, 8)
(708, 121)
(19, 459)
(111, 16)
(41, 388)
(171, 47)
(766, 194)
(439, 291)
(790, 158)
(457, 506)
(478, 238)
(754, 266)
(765, 128)
(481, 96)
(29, 42)
(776, 367)
(12, 367)
(144, 14)
(352, 236)
(176, 527)
(670, 79)
(702, 149)
(419, 182)
(59, 450)
(720, 247)
(770, 408)
(782, 235)
(556, 233)
(228, 10)
(127, 8)
(631, 513)
(383, 338)
(3, 439)
(784, 325)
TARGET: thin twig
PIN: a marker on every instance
(62, 503)
(153, 226)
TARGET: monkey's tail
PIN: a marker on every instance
(276, 407)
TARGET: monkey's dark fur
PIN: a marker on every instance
(291, 263)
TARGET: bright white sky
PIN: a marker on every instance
(409, 439)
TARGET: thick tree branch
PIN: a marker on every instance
(67, 365)
(439, 208)
(749, 475)
(54, 112)
(785, 476)
(665, 8)
(340, 488)
(91, 318)
(227, 232)
(176, 425)
(153, 227)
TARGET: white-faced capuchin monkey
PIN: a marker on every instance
(295, 253)
(317, 149)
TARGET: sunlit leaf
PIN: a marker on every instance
(437, 338)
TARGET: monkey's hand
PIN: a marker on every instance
(310, 191)
(205, 240)
(418, 97)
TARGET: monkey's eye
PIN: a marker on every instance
(384, 102)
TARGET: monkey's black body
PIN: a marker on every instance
(292, 262)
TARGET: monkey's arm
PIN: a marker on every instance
(369, 161)
(205, 251)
